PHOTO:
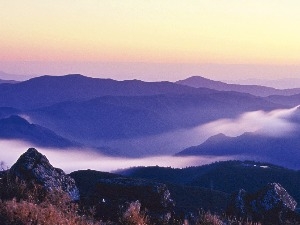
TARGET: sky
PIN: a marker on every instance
(151, 40)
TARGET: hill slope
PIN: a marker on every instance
(227, 176)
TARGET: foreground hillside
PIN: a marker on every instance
(32, 191)
(226, 177)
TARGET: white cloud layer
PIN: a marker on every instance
(275, 123)
(80, 159)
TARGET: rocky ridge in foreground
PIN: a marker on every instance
(110, 195)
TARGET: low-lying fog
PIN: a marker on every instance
(161, 147)
(275, 123)
(75, 159)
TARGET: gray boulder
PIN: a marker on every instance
(271, 204)
(33, 166)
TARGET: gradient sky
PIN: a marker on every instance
(55, 37)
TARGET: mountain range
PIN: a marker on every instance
(114, 117)
(47, 90)
(74, 110)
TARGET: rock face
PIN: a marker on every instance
(33, 166)
(273, 198)
(271, 204)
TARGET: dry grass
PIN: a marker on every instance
(134, 216)
(207, 218)
(27, 203)
(23, 212)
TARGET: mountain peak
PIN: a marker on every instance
(199, 81)
(33, 153)
(59, 77)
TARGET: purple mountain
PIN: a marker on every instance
(201, 82)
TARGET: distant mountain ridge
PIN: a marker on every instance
(114, 117)
(8, 81)
(263, 91)
(283, 151)
(47, 90)
(17, 128)
(292, 100)
(13, 77)
(283, 83)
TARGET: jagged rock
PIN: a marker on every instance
(33, 166)
(271, 204)
(274, 196)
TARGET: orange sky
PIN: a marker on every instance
(156, 31)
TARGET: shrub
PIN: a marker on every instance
(207, 218)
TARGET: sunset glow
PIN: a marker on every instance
(169, 31)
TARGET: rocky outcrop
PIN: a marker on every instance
(272, 204)
(33, 166)
(272, 199)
